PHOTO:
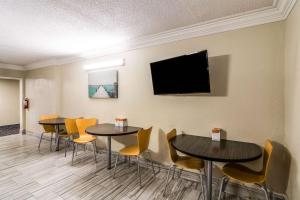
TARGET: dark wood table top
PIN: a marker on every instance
(111, 130)
(223, 151)
(57, 121)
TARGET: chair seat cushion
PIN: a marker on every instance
(243, 173)
(83, 139)
(189, 162)
(132, 150)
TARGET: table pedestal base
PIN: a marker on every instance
(57, 138)
(209, 180)
(108, 152)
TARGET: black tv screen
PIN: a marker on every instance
(181, 75)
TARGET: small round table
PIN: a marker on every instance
(110, 130)
(223, 151)
(55, 122)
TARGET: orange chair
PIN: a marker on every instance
(84, 138)
(71, 129)
(246, 175)
(47, 129)
(143, 138)
(183, 162)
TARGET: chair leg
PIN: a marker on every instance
(138, 168)
(180, 172)
(66, 146)
(224, 182)
(265, 189)
(74, 148)
(95, 149)
(202, 186)
(116, 163)
(51, 141)
(174, 169)
(167, 180)
(151, 162)
(128, 161)
(40, 141)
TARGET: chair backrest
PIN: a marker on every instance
(267, 156)
(173, 153)
(143, 137)
(48, 128)
(71, 126)
(83, 124)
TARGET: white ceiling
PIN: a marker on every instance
(34, 31)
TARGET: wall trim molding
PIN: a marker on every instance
(12, 67)
(277, 12)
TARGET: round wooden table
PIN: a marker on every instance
(110, 130)
(223, 151)
(56, 123)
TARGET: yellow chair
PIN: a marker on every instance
(182, 162)
(246, 175)
(47, 129)
(84, 138)
(143, 139)
(71, 129)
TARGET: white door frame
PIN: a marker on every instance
(22, 96)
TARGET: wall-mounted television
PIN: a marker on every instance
(185, 74)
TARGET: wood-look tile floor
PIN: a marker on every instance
(26, 173)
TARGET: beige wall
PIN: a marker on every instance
(11, 73)
(292, 97)
(252, 110)
(247, 80)
(9, 102)
(19, 75)
(247, 62)
(43, 88)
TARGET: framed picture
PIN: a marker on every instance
(103, 84)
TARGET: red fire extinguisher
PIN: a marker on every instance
(26, 103)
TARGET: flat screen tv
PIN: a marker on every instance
(185, 74)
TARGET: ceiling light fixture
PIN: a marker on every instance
(108, 64)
